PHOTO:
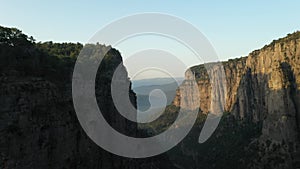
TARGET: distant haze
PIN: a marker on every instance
(144, 87)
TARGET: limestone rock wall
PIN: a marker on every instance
(263, 87)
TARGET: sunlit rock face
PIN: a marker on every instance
(262, 87)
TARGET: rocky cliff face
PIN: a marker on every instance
(38, 124)
(39, 127)
(263, 87)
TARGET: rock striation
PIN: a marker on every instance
(262, 87)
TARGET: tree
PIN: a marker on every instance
(14, 37)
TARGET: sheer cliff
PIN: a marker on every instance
(38, 124)
(263, 89)
(39, 128)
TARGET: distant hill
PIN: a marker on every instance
(155, 81)
(144, 87)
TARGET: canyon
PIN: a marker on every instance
(39, 127)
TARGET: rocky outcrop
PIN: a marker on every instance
(263, 87)
(38, 124)
(39, 127)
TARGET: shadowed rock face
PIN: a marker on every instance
(39, 127)
(263, 87)
(38, 124)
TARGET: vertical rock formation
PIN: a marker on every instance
(187, 89)
(263, 87)
(38, 125)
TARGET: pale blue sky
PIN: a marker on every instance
(235, 28)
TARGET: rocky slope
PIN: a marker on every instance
(263, 88)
